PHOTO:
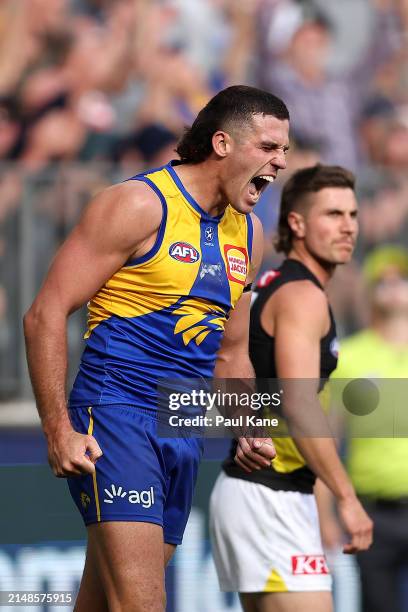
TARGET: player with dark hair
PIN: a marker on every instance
(228, 110)
(156, 258)
(264, 522)
(301, 184)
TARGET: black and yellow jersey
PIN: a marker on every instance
(163, 315)
(288, 471)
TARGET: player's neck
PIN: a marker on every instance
(202, 183)
(322, 270)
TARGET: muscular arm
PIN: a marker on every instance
(233, 360)
(108, 234)
(300, 321)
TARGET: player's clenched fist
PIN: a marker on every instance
(73, 454)
(254, 453)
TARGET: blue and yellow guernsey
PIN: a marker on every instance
(163, 315)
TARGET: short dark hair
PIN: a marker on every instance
(302, 183)
(234, 105)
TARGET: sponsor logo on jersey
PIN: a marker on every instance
(183, 251)
(334, 347)
(144, 498)
(309, 564)
(237, 263)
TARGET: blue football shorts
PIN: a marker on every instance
(140, 476)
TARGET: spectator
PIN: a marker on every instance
(325, 107)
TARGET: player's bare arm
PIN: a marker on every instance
(297, 332)
(233, 359)
(119, 223)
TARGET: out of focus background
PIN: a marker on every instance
(95, 91)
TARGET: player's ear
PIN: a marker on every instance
(221, 142)
(296, 223)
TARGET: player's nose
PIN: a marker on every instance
(279, 160)
(349, 224)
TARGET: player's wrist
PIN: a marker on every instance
(346, 495)
(56, 429)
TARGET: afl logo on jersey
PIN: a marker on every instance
(184, 252)
(237, 263)
(334, 348)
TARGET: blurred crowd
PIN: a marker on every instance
(93, 91)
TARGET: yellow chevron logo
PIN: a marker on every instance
(197, 320)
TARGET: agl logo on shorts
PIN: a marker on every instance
(309, 564)
(145, 498)
(184, 252)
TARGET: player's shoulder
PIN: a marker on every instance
(128, 203)
(302, 300)
(135, 194)
(302, 293)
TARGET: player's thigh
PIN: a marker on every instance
(130, 562)
(316, 601)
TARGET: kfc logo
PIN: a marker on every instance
(309, 564)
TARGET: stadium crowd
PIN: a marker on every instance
(93, 91)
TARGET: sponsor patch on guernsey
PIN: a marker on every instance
(309, 564)
(237, 263)
(184, 252)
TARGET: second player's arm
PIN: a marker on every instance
(233, 360)
(300, 322)
(109, 232)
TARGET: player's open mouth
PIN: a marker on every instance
(258, 184)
